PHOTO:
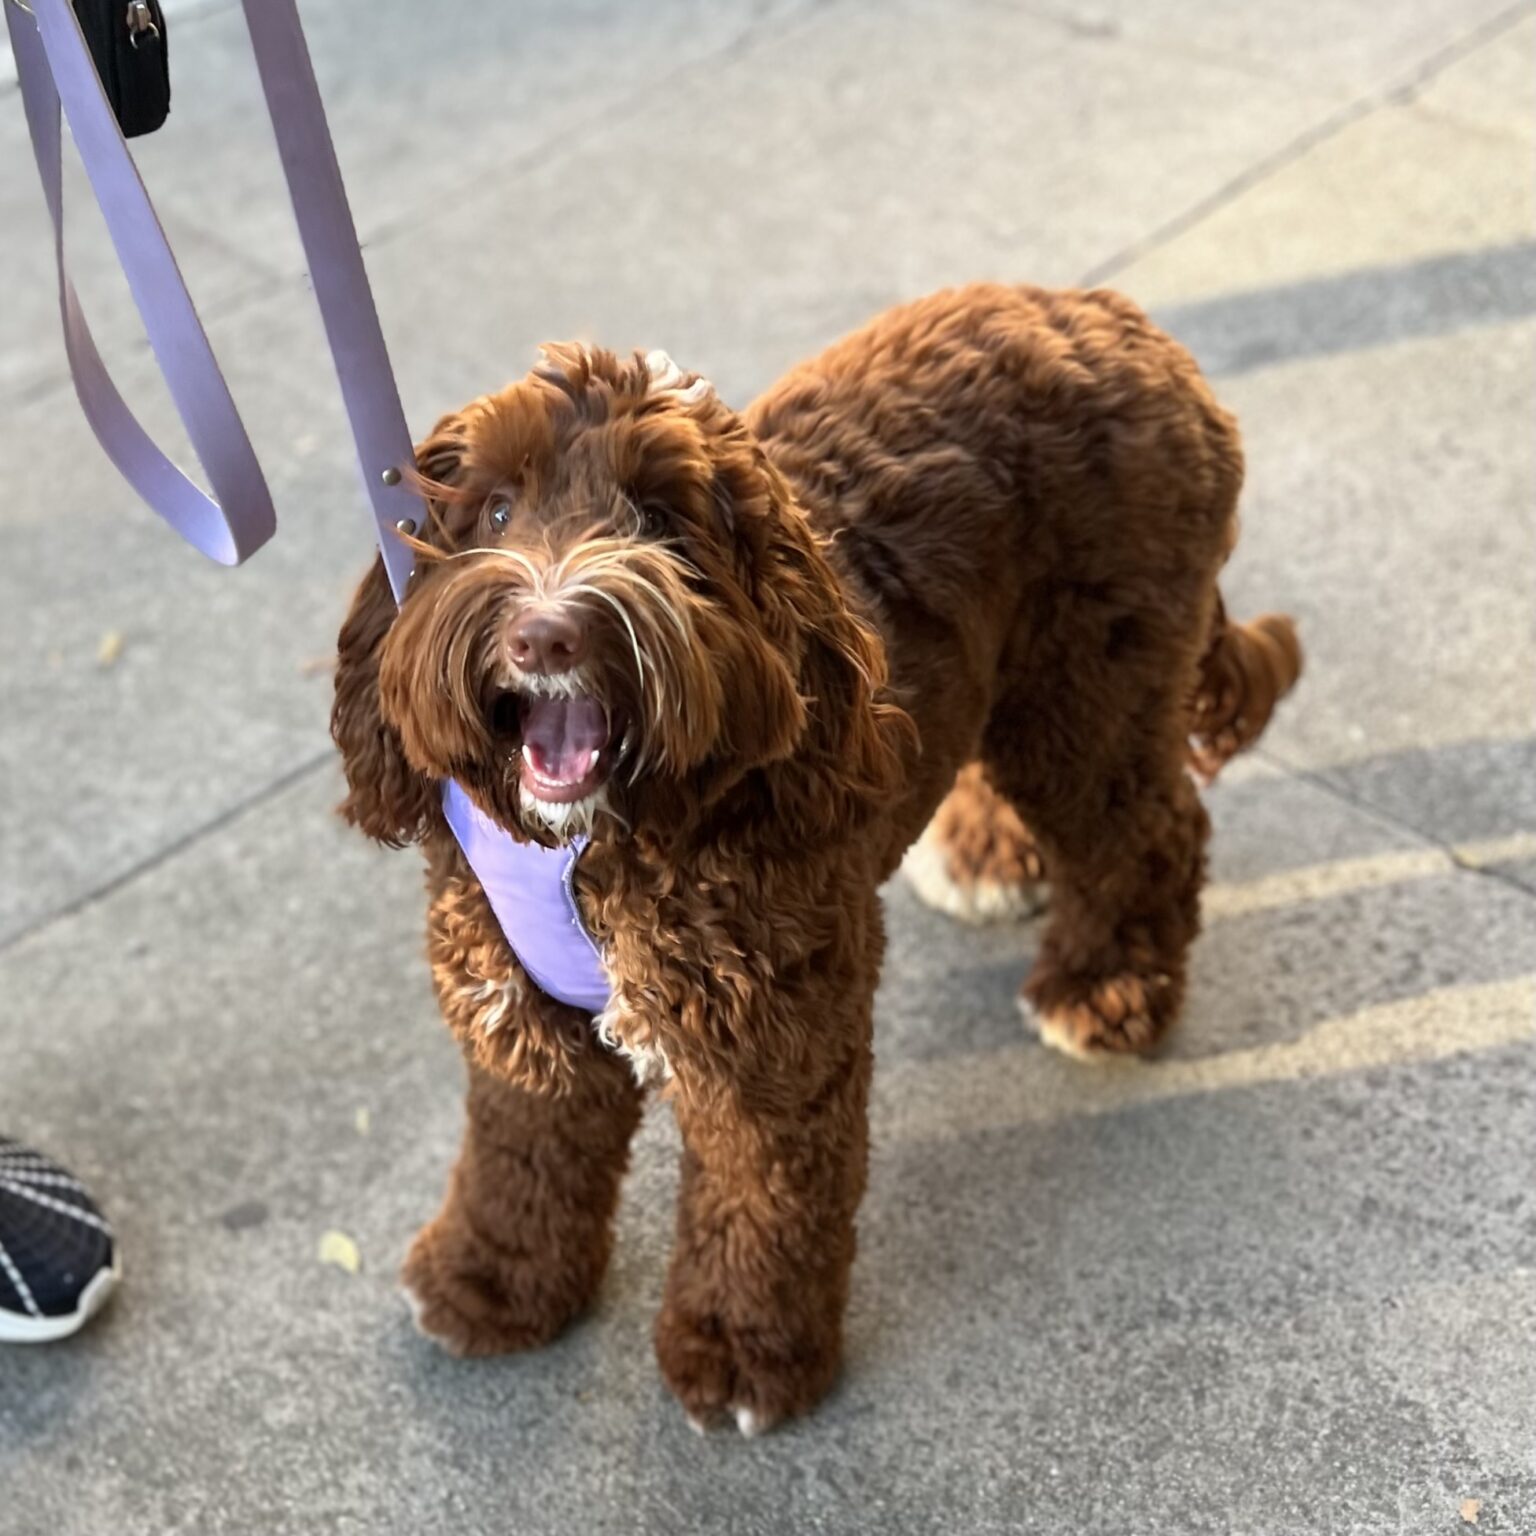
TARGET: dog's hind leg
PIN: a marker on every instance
(1098, 773)
(976, 860)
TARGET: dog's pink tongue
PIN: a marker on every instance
(562, 737)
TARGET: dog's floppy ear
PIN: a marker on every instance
(440, 457)
(838, 717)
(806, 655)
(766, 716)
(387, 799)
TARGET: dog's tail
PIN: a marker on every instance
(1245, 672)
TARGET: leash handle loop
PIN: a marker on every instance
(54, 67)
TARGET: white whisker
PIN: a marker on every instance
(534, 572)
(613, 602)
(614, 559)
(642, 586)
(584, 589)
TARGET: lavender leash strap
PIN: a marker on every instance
(54, 67)
(341, 281)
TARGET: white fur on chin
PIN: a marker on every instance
(566, 819)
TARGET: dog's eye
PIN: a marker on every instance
(650, 519)
(500, 515)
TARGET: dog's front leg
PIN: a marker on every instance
(773, 1170)
(520, 1245)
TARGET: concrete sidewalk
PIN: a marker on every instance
(1282, 1280)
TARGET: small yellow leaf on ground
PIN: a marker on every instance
(363, 1120)
(110, 649)
(339, 1249)
(1470, 1509)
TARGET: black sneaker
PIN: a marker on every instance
(58, 1260)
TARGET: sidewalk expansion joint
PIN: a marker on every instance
(167, 851)
(1401, 91)
(1370, 809)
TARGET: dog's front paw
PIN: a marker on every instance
(474, 1299)
(726, 1375)
(1124, 1015)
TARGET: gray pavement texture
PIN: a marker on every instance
(1281, 1280)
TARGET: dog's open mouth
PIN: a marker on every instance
(566, 745)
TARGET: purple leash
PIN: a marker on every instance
(523, 881)
(54, 66)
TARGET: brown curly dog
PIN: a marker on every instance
(971, 551)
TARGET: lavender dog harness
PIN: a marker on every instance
(530, 888)
(532, 892)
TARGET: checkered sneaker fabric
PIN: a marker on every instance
(57, 1254)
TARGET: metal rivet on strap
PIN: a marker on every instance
(406, 525)
(391, 476)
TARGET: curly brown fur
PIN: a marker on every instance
(522, 1240)
(1245, 672)
(981, 534)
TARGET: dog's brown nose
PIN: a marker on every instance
(546, 640)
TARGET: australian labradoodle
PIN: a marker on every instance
(960, 569)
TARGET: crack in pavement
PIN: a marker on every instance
(268, 282)
(167, 851)
(1455, 852)
(1399, 92)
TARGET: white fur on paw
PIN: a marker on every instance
(417, 1308)
(750, 1423)
(1059, 1038)
(698, 1426)
(926, 867)
(1055, 1034)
